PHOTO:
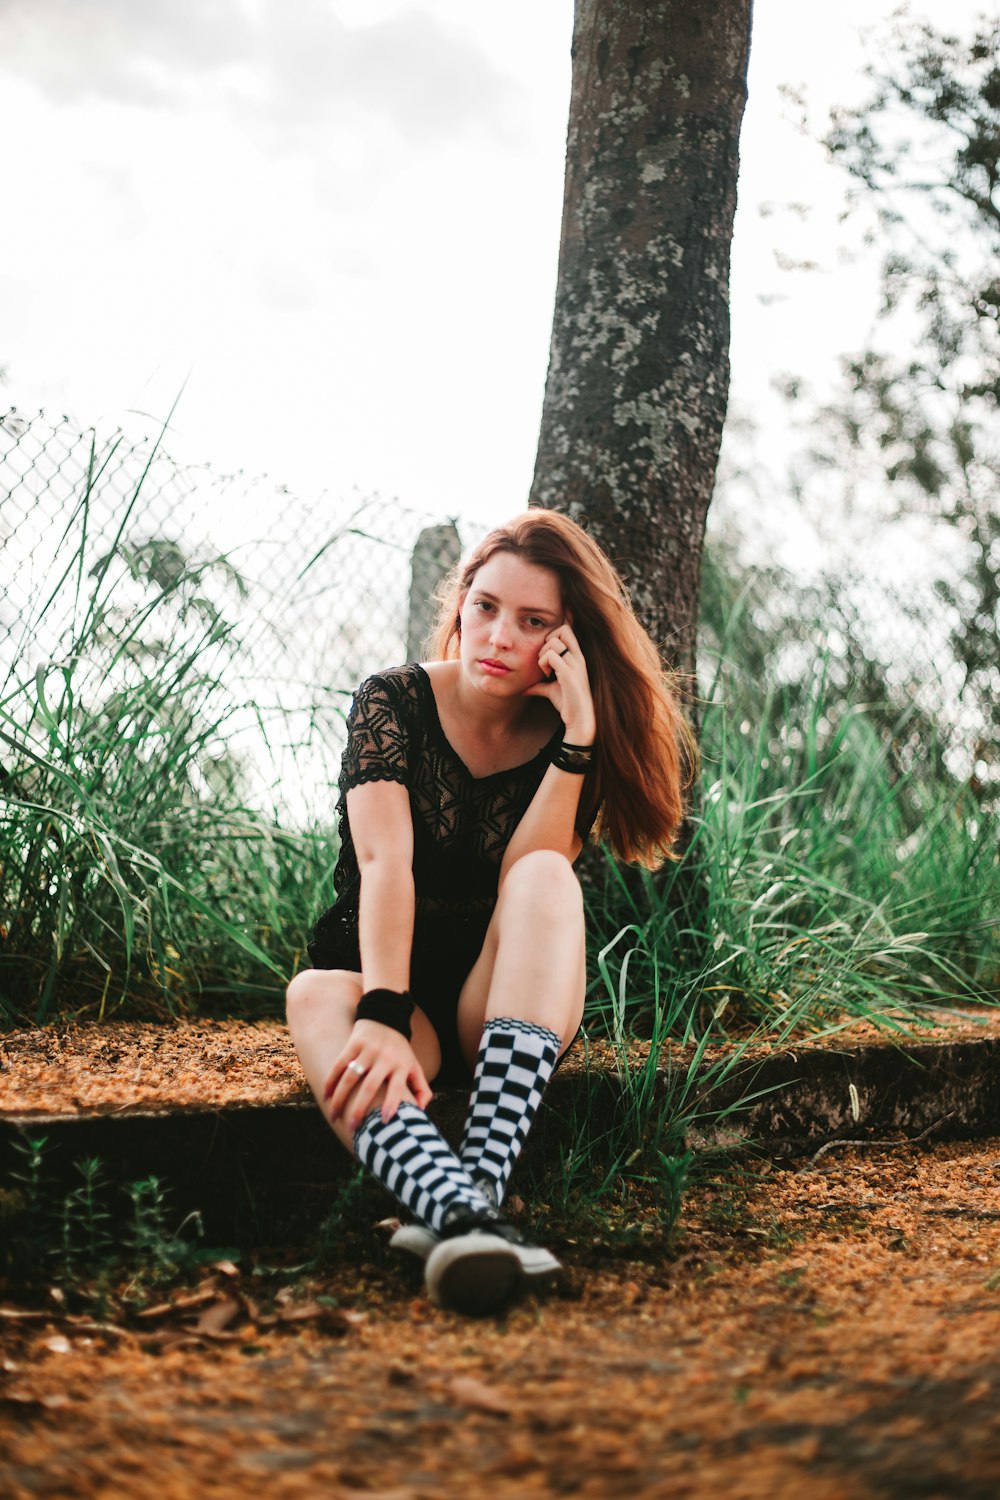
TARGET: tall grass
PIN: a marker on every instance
(136, 877)
(822, 881)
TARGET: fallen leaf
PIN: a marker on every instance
(332, 1319)
(57, 1344)
(170, 1338)
(205, 1293)
(466, 1390)
(159, 1311)
(219, 1316)
(19, 1397)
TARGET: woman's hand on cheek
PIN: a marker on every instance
(567, 684)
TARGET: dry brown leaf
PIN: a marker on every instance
(18, 1397)
(466, 1390)
(170, 1338)
(89, 1325)
(331, 1319)
(159, 1311)
(219, 1316)
(187, 1300)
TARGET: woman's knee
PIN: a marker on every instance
(544, 878)
(315, 993)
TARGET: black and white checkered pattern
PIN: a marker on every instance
(516, 1059)
(413, 1160)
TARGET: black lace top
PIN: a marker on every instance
(462, 823)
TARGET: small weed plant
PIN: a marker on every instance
(81, 1240)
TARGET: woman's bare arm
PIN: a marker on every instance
(382, 832)
(550, 820)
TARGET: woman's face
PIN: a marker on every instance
(509, 610)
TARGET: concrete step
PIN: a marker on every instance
(257, 1170)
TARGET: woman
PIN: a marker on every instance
(455, 950)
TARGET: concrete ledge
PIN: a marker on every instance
(948, 1089)
(262, 1173)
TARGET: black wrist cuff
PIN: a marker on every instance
(388, 1007)
(575, 758)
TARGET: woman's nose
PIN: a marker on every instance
(500, 635)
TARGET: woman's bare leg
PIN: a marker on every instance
(519, 1010)
(321, 1006)
(407, 1154)
(533, 963)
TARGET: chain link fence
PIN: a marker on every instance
(120, 568)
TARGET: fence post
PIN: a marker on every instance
(437, 551)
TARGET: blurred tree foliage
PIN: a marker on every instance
(923, 151)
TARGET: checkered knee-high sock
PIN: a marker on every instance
(516, 1059)
(411, 1157)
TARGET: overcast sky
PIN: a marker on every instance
(340, 219)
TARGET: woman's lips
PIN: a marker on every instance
(494, 668)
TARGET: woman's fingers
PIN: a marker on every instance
(334, 1076)
(363, 1099)
(377, 1063)
(561, 643)
(346, 1086)
(418, 1085)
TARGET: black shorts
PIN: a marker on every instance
(444, 951)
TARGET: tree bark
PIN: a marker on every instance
(638, 374)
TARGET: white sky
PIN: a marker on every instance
(342, 218)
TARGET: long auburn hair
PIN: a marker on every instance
(646, 753)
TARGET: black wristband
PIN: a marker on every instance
(575, 758)
(387, 1007)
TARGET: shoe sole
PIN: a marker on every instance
(474, 1274)
(536, 1264)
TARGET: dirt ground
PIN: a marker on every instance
(829, 1329)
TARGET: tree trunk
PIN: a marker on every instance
(639, 362)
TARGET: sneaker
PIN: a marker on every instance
(473, 1269)
(487, 1187)
(537, 1265)
(414, 1239)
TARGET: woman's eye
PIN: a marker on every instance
(482, 604)
(537, 624)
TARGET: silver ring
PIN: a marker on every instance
(356, 1067)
